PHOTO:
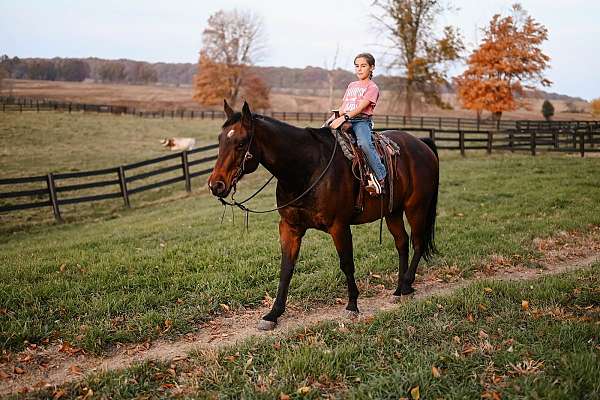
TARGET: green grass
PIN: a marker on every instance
(117, 276)
(480, 340)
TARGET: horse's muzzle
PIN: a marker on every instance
(218, 188)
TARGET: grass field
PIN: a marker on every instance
(118, 276)
(481, 342)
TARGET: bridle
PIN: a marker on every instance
(240, 173)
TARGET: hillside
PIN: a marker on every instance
(168, 85)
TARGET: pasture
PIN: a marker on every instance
(480, 342)
(123, 273)
(113, 276)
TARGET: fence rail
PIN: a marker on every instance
(117, 180)
(26, 104)
(127, 180)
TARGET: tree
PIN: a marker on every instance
(421, 56)
(508, 58)
(230, 45)
(72, 70)
(595, 107)
(141, 72)
(112, 71)
(547, 110)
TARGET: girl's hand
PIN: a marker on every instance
(336, 123)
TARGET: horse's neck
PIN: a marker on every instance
(287, 152)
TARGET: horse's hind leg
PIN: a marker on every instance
(290, 239)
(342, 237)
(395, 224)
(417, 218)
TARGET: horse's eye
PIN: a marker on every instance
(241, 145)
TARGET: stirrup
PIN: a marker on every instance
(374, 188)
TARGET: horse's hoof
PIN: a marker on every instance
(265, 325)
(352, 314)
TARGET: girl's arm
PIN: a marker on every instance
(361, 106)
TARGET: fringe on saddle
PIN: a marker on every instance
(387, 150)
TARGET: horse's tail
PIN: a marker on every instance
(431, 144)
(429, 248)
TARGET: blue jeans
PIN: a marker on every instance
(362, 129)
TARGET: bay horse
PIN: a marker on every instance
(301, 157)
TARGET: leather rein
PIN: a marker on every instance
(240, 173)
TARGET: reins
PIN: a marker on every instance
(248, 155)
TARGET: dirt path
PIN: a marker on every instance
(58, 363)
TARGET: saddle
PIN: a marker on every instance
(387, 150)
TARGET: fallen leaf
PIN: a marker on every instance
(224, 307)
(66, 347)
(3, 375)
(376, 276)
(168, 325)
(488, 290)
(435, 372)
(304, 390)
(456, 339)
(524, 305)
(491, 395)
(482, 334)
(58, 393)
(414, 393)
(283, 396)
(277, 345)
(75, 370)
(249, 362)
(19, 370)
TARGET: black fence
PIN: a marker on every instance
(22, 104)
(119, 181)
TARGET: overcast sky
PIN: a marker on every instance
(298, 33)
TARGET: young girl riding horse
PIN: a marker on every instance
(357, 107)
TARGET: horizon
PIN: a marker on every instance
(129, 31)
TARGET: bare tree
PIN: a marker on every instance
(234, 40)
(420, 55)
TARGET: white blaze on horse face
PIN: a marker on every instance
(230, 133)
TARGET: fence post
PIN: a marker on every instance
(511, 140)
(458, 123)
(532, 141)
(123, 185)
(186, 171)
(20, 107)
(404, 120)
(212, 114)
(37, 105)
(461, 142)
(53, 198)
(489, 142)
(440, 123)
(421, 122)
(432, 134)
(582, 143)
(192, 115)
(387, 121)
(283, 116)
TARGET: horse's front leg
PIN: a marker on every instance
(290, 238)
(342, 237)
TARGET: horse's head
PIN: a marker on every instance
(237, 151)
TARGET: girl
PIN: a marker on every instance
(357, 107)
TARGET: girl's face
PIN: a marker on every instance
(362, 68)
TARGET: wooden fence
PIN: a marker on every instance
(21, 104)
(118, 180)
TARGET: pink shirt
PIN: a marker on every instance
(357, 91)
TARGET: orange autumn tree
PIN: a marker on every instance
(508, 60)
(231, 44)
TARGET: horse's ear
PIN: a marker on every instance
(246, 115)
(228, 110)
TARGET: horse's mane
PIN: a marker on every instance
(317, 133)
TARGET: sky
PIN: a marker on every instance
(297, 33)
